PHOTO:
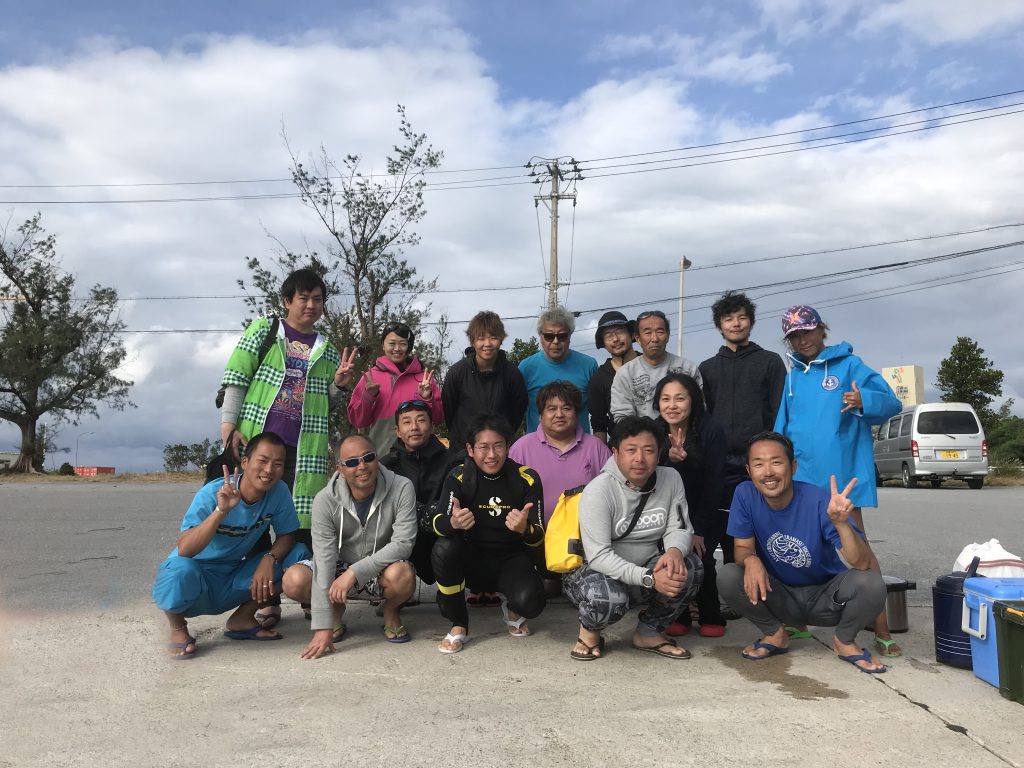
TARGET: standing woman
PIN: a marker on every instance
(395, 377)
(696, 450)
(831, 401)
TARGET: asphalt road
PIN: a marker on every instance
(97, 546)
(84, 680)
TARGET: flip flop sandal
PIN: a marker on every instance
(515, 628)
(252, 633)
(181, 647)
(658, 650)
(340, 633)
(589, 654)
(885, 648)
(795, 633)
(267, 617)
(773, 650)
(460, 638)
(864, 655)
(399, 634)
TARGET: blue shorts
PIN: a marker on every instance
(202, 588)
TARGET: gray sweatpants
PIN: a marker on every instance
(602, 600)
(849, 602)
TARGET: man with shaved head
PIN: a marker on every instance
(364, 528)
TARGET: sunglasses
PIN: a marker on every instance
(651, 313)
(367, 458)
(560, 336)
(412, 405)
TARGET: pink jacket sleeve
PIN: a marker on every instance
(361, 407)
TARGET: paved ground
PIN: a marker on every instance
(83, 680)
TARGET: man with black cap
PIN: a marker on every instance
(614, 333)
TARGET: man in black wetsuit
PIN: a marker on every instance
(419, 456)
(489, 532)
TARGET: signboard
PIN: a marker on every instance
(907, 381)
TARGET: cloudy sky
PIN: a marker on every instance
(107, 107)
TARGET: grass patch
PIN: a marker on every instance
(197, 478)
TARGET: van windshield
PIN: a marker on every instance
(947, 423)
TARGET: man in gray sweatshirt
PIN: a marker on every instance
(364, 528)
(634, 382)
(637, 541)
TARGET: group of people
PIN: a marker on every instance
(674, 459)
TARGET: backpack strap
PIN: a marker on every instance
(268, 341)
(645, 494)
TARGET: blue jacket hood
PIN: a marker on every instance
(828, 354)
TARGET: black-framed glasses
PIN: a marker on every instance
(367, 458)
(555, 336)
(412, 405)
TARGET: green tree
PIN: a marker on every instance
(1006, 437)
(58, 354)
(522, 349)
(967, 376)
(369, 222)
(179, 457)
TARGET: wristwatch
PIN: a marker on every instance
(647, 580)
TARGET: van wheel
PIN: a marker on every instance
(975, 483)
(909, 481)
(936, 483)
(878, 478)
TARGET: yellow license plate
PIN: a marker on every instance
(949, 454)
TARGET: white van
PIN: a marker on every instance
(932, 441)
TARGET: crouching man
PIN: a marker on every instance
(209, 573)
(787, 569)
(364, 528)
(637, 541)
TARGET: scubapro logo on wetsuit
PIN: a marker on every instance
(494, 506)
(789, 550)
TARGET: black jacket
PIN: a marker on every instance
(743, 390)
(468, 392)
(599, 398)
(703, 474)
(426, 468)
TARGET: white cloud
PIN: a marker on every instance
(113, 114)
(944, 21)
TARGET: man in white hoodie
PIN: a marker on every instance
(364, 528)
(638, 542)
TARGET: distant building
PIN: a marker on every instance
(8, 458)
(907, 381)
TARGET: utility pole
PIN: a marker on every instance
(549, 169)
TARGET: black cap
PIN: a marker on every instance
(609, 320)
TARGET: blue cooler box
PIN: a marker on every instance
(979, 622)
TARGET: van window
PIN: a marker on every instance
(947, 423)
(905, 425)
(882, 430)
(894, 427)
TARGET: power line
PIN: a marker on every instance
(829, 278)
(946, 121)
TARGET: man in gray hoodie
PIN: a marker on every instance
(637, 541)
(364, 528)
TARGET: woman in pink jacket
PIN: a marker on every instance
(395, 377)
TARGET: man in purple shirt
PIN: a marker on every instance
(559, 451)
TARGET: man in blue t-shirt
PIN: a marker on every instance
(210, 571)
(789, 537)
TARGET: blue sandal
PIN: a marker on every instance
(864, 655)
(773, 650)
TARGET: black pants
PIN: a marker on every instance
(421, 555)
(511, 571)
(709, 610)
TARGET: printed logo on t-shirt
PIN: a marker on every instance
(493, 506)
(789, 550)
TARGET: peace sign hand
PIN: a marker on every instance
(839, 507)
(228, 496)
(852, 401)
(346, 371)
(425, 388)
(372, 387)
(676, 452)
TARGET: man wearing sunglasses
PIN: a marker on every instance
(634, 383)
(556, 362)
(424, 460)
(364, 528)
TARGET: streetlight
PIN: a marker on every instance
(83, 434)
(684, 264)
